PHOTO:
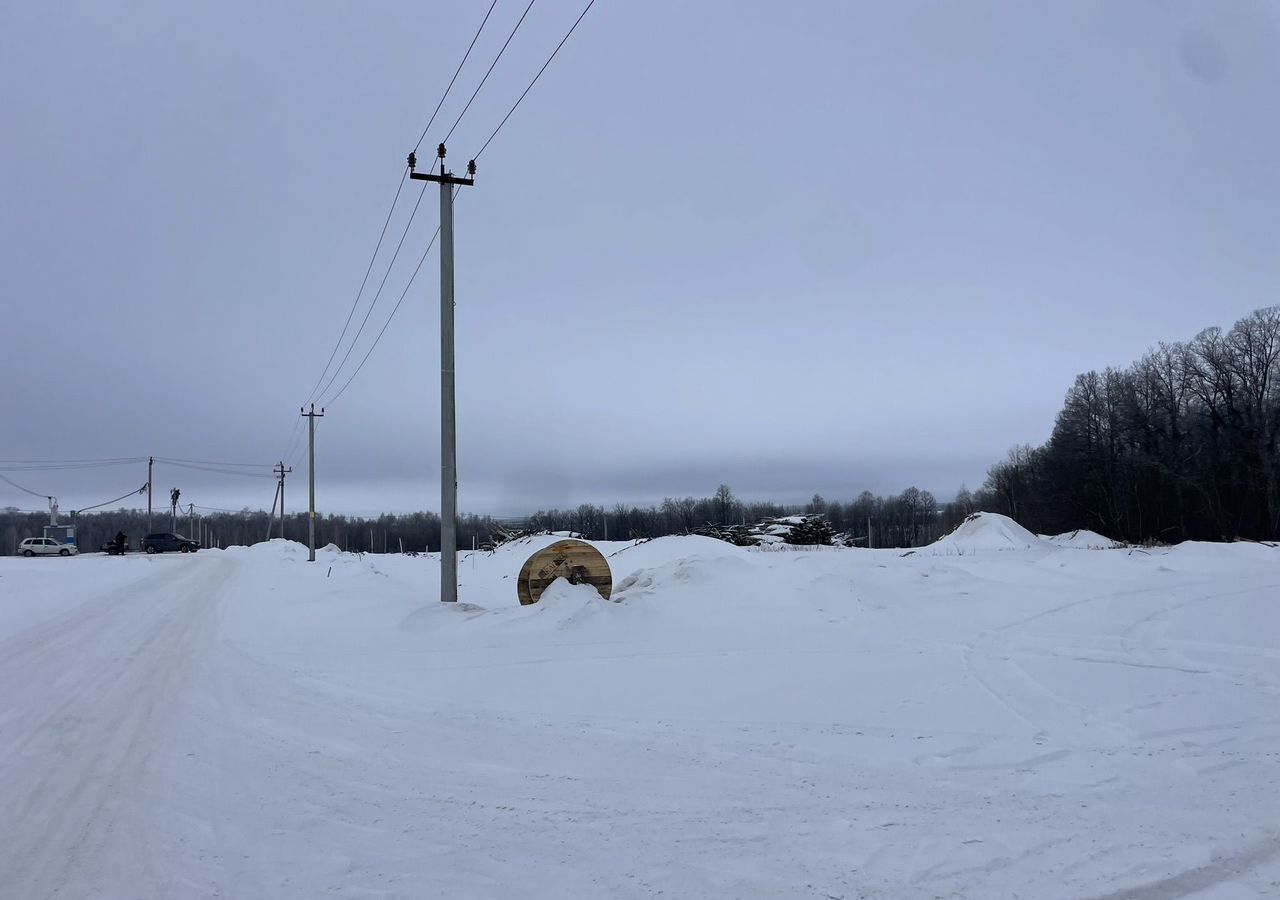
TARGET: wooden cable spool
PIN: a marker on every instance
(577, 562)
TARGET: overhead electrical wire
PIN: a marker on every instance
(490, 70)
(520, 99)
(210, 462)
(4, 477)
(456, 72)
(295, 436)
(220, 509)
(374, 302)
(293, 457)
(55, 465)
(382, 235)
(487, 142)
(218, 470)
(334, 397)
(355, 303)
(103, 459)
(141, 490)
(394, 309)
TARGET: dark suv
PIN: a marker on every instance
(165, 540)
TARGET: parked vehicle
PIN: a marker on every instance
(46, 547)
(163, 541)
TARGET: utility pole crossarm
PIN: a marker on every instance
(446, 178)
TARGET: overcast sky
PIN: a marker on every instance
(825, 246)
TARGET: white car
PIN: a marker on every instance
(46, 547)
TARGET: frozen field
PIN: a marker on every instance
(1042, 721)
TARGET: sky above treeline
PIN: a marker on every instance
(846, 246)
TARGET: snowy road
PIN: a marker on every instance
(90, 696)
(1047, 723)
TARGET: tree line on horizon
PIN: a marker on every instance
(908, 519)
(1184, 444)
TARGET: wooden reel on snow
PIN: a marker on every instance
(577, 562)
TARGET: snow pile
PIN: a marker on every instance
(1083, 539)
(987, 531)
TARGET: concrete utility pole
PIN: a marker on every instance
(281, 471)
(151, 461)
(191, 521)
(448, 419)
(311, 472)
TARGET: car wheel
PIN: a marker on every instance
(27, 553)
(151, 548)
(184, 549)
(64, 552)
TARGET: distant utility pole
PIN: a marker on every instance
(151, 461)
(281, 471)
(174, 494)
(311, 467)
(448, 419)
(191, 521)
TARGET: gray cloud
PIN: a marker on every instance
(857, 246)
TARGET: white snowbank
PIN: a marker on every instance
(1083, 539)
(987, 531)
(740, 723)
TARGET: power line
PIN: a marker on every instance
(56, 465)
(491, 65)
(210, 462)
(220, 509)
(355, 303)
(394, 309)
(104, 459)
(26, 490)
(141, 490)
(374, 302)
(514, 106)
(536, 77)
(382, 235)
(455, 77)
(215, 469)
(295, 437)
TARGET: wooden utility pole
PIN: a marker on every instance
(448, 418)
(311, 477)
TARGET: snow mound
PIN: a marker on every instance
(1083, 539)
(988, 531)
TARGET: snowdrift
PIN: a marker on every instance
(988, 531)
(1083, 539)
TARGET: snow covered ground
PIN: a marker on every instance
(968, 721)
